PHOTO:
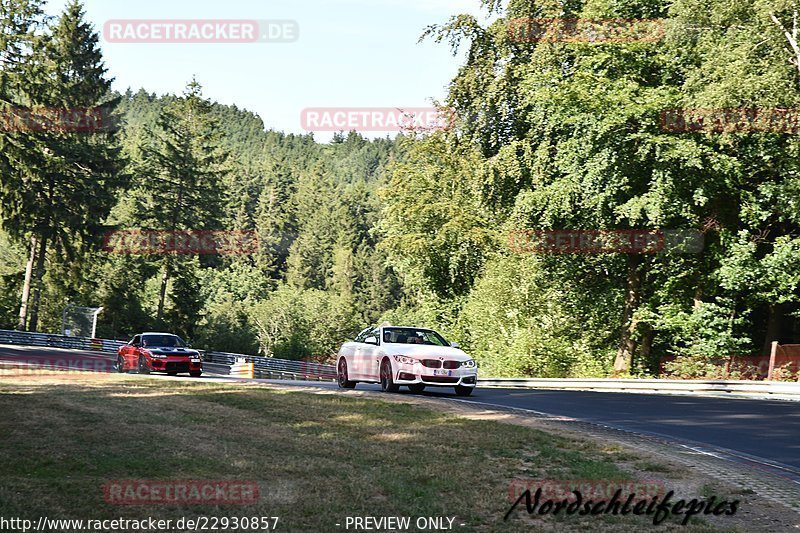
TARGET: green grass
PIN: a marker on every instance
(317, 457)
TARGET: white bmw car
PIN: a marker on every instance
(414, 357)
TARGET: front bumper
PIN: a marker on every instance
(415, 375)
(182, 365)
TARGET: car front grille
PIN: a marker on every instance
(177, 367)
(439, 379)
(452, 364)
(431, 363)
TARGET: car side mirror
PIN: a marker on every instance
(455, 345)
(371, 340)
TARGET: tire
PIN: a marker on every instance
(195, 374)
(143, 366)
(121, 365)
(341, 376)
(417, 388)
(463, 391)
(387, 382)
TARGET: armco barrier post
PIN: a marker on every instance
(772, 354)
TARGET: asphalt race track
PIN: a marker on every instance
(767, 430)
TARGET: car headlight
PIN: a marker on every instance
(469, 364)
(157, 355)
(405, 360)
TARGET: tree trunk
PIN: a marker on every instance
(646, 347)
(165, 274)
(633, 287)
(26, 287)
(37, 284)
(791, 37)
(774, 323)
(698, 296)
(163, 292)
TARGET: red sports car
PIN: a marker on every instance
(159, 352)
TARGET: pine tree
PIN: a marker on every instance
(184, 190)
(71, 187)
(55, 183)
(18, 21)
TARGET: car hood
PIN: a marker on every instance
(424, 351)
(176, 352)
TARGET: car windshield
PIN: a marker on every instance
(413, 336)
(163, 341)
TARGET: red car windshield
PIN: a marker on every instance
(163, 341)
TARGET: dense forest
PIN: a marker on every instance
(415, 229)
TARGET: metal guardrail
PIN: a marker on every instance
(269, 368)
(651, 385)
(51, 340)
(218, 362)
